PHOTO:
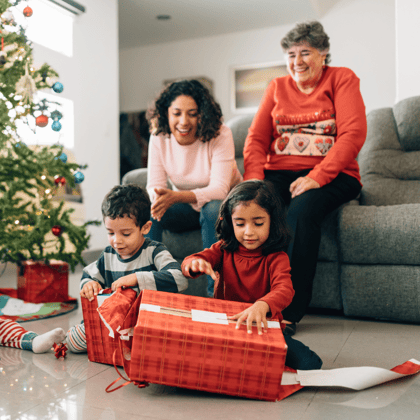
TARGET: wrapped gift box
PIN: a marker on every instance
(187, 341)
(39, 282)
(100, 345)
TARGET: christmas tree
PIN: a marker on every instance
(34, 225)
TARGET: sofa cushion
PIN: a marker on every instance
(381, 291)
(380, 235)
(389, 159)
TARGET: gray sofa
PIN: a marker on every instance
(369, 258)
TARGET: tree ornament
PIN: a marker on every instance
(41, 120)
(56, 115)
(58, 87)
(26, 86)
(3, 59)
(57, 230)
(60, 180)
(56, 125)
(27, 11)
(78, 177)
(63, 157)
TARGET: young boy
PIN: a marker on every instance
(131, 260)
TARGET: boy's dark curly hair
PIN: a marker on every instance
(209, 111)
(127, 200)
(262, 193)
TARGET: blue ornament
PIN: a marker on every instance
(58, 87)
(78, 177)
(56, 115)
(56, 125)
(21, 144)
(63, 157)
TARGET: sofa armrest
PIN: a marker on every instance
(136, 176)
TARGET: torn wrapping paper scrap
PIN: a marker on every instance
(113, 310)
(356, 378)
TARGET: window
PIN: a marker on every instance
(31, 134)
(50, 26)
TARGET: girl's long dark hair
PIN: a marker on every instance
(262, 193)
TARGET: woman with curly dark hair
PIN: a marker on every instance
(194, 150)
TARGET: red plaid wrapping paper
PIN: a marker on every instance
(100, 346)
(40, 283)
(177, 351)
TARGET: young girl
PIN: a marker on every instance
(249, 263)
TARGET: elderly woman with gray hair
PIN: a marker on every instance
(304, 139)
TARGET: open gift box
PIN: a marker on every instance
(103, 345)
(188, 342)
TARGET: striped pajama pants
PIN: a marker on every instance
(13, 335)
(76, 339)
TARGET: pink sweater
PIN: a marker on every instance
(207, 169)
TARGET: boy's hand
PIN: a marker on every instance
(257, 312)
(198, 265)
(126, 281)
(90, 290)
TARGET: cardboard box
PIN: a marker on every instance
(100, 345)
(40, 283)
(172, 344)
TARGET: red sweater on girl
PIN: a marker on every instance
(294, 131)
(248, 276)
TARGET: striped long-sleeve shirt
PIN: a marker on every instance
(154, 266)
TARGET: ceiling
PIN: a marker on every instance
(138, 25)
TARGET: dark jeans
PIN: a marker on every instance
(181, 217)
(304, 217)
(300, 356)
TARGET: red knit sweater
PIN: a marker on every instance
(248, 276)
(287, 119)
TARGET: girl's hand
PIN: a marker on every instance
(257, 312)
(165, 198)
(303, 184)
(90, 290)
(126, 281)
(199, 266)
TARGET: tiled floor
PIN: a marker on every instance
(39, 386)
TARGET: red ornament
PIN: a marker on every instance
(60, 180)
(41, 121)
(57, 230)
(27, 11)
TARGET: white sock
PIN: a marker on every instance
(44, 342)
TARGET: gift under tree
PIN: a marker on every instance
(35, 226)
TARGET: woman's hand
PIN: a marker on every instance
(126, 281)
(303, 184)
(199, 266)
(90, 290)
(257, 312)
(165, 198)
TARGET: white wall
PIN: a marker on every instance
(90, 79)
(408, 59)
(362, 36)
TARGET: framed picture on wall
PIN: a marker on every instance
(249, 82)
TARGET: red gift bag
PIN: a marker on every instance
(100, 318)
(187, 341)
(39, 282)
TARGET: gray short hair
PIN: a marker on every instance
(311, 33)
